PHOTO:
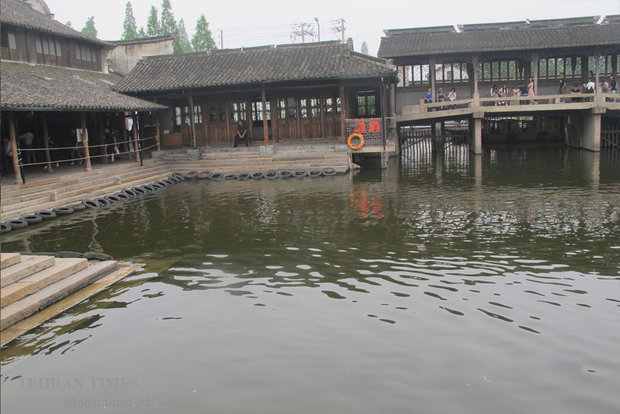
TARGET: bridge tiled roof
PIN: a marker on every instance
(252, 66)
(40, 87)
(498, 38)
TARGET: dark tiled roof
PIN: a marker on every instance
(56, 88)
(403, 43)
(18, 13)
(250, 66)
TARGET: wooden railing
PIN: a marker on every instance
(594, 99)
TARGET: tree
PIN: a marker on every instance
(89, 27)
(202, 40)
(141, 32)
(152, 25)
(181, 41)
(68, 24)
(129, 26)
(365, 48)
(168, 24)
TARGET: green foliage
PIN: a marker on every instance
(168, 24)
(141, 32)
(68, 24)
(153, 27)
(89, 27)
(364, 48)
(129, 26)
(181, 42)
(202, 40)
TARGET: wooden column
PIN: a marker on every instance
(298, 120)
(248, 122)
(584, 68)
(383, 109)
(322, 109)
(535, 60)
(46, 140)
(393, 100)
(597, 59)
(229, 137)
(157, 133)
(263, 97)
(614, 64)
(433, 75)
(192, 124)
(274, 120)
(16, 170)
(475, 64)
(343, 114)
(135, 136)
(125, 145)
(85, 143)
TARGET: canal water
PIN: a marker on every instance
(443, 284)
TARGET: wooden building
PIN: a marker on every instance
(283, 93)
(53, 82)
(473, 58)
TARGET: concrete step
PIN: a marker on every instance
(30, 304)
(28, 265)
(62, 268)
(9, 259)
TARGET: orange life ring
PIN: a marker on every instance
(355, 147)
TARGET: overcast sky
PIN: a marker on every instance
(254, 23)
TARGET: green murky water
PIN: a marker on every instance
(440, 285)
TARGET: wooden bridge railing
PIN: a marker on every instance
(475, 102)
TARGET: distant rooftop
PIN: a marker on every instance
(150, 39)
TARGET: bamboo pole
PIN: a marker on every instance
(46, 139)
(16, 170)
(85, 142)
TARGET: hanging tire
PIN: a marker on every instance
(97, 256)
(258, 175)
(139, 190)
(5, 227)
(69, 255)
(147, 188)
(32, 218)
(190, 175)
(156, 186)
(112, 198)
(62, 211)
(77, 206)
(163, 182)
(329, 171)
(272, 175)
(244, 176)
(121, 196)
(217, 176)
(231, 177)
(45, 214)
(314, 173)
(102, 201)
(170, 181)
(17, 223)
(286, 173)
(90, 203)
(204, 175)
(129, 193)
(178, 176)
(300, 173)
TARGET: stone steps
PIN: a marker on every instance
(31, 283)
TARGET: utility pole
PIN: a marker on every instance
(318, 28)
(301, 30)
(340, 28)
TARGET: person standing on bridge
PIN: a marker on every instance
(428, 96)
(562, 85)
(530, 88)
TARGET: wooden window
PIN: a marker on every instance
(186, 115)
(197, 114)
(315, 107)
(303, 108)
(239, 112)
(287, 109)
(257, 110)
(178, 117)
(212, 114)
(366, 104)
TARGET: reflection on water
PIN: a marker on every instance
(447, 280)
